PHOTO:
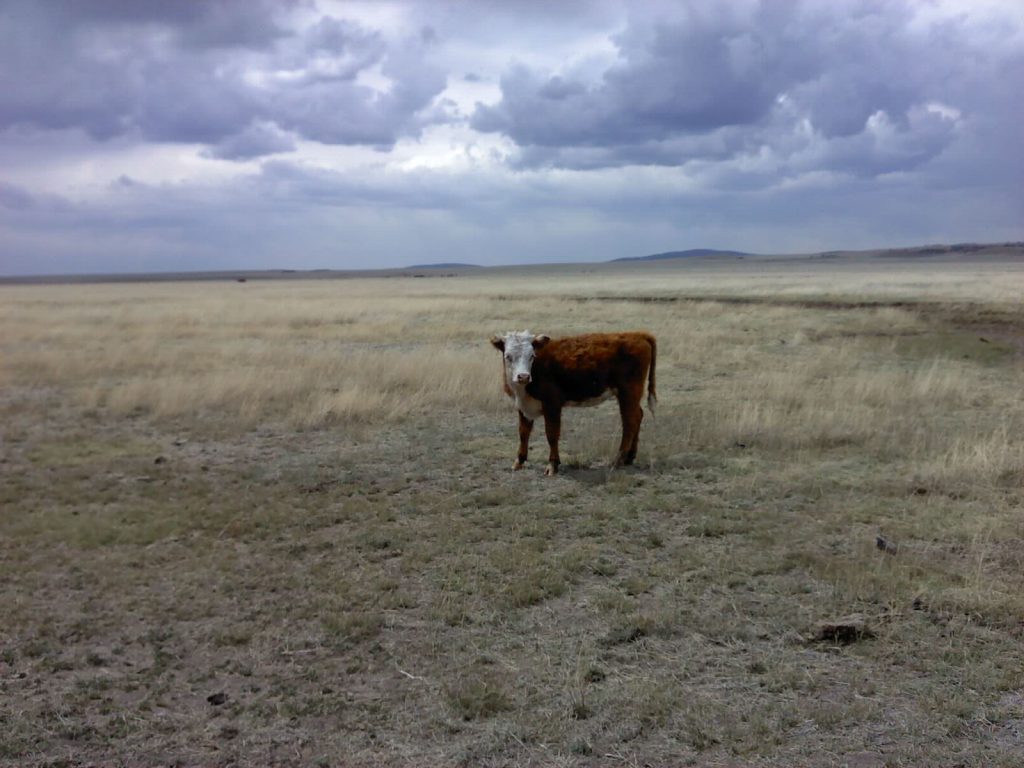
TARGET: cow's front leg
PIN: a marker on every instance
(525, 428)
(552, 430)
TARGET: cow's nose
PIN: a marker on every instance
(522, 378)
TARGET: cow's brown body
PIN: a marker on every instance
(578, 370)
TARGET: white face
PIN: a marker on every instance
(519, 354)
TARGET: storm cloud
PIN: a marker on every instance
(222, 73)
(149, 135)
(867, 91)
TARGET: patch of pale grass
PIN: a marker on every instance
(350, 405)
(303, 354)
(877, 280)
(987, 459)
(809, 394)
(305, 388)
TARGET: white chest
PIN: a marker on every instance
(530, 407)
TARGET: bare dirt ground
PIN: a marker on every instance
(816, 562)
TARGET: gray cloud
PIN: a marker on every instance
(846, 88)
(674, 76)
(207, 24)
(611, 128)
(207, 73)
(256, 140)
(290, 215)
(15, 198)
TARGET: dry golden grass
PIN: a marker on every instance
(303, 354)
(297, 495)
(297, 355)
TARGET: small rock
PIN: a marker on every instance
(159, 460)
(216, 699)
(845, 630)
(623, 635)
(885, 545)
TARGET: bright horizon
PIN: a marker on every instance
(363, 135)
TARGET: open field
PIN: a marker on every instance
(275, 523)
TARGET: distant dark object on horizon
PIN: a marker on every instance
(692, 253)
(443, 265)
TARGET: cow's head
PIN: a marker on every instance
(519, 349)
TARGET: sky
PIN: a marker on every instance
(149, 136)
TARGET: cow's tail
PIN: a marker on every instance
(652, 396)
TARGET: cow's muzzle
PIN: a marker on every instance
(522, 378)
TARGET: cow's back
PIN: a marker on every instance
(578, 368)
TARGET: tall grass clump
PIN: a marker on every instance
(300, 355)
(986, 459)
(305, 388)
(821, 395)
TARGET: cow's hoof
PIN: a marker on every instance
(518, 465)
(552, 469)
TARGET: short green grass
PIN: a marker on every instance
(185, 589)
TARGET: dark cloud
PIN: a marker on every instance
(846, 87)
(340, 110)
(206, 24)
(611, 128)
(674, 77)
(718, 145)
(207, 73)
(334, 49)
(15, 198)
(257, 140)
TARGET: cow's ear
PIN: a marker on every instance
(540, 341)
(498, 343)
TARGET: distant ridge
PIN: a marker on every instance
(921, 254)
(692, 253)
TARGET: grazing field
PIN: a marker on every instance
(274, 523)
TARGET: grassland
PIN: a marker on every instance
(275, 523)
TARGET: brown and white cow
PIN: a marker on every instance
(543, 375)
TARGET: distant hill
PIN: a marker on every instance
(692, 253)
(922, 254)
(956, 249)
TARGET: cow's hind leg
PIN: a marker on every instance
(525, 428)
(552, 430)
(631, 453)
(632, 415)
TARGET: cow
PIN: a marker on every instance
(542, 375)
